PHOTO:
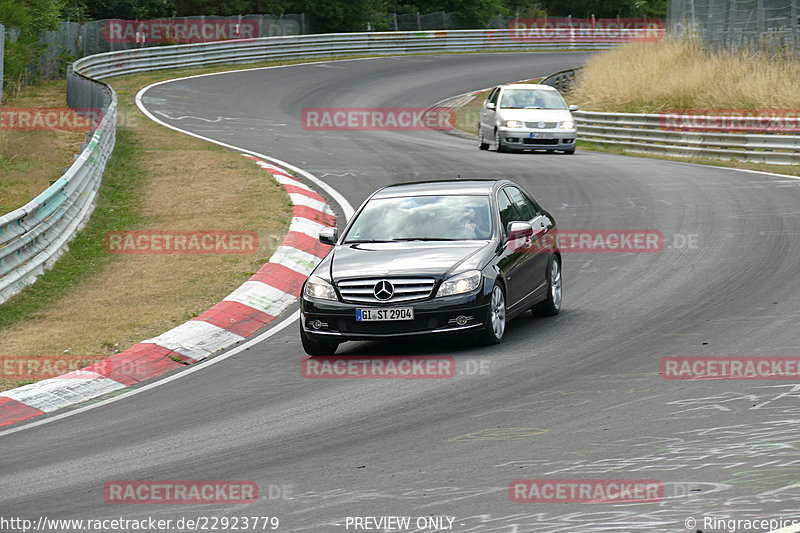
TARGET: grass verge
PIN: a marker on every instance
(93, 303)
(649, 77)
(26, 169)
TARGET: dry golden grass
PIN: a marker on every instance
(26, 169)
(653, 76)
(190, 185)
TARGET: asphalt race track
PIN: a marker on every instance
(577, 396)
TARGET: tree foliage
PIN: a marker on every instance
(353, 15)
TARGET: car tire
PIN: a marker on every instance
(317, 348)
(551, 305)
(483, 144)
(498, 145)
(494, 325)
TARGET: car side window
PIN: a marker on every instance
(507, 211)
(493, 96)
(524, 206)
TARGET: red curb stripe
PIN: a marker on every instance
(139, 362)
(236, 317)
(307, 244)
(12, 411)
(303, 211)
(280, 277)
(278, 172)
(305, 192)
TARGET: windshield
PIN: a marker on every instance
(429, 218)
(532, 99)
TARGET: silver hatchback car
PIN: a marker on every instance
(527, 117)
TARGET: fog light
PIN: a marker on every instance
(317, 324)
(461, 320)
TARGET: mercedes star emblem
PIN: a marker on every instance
(383, 290)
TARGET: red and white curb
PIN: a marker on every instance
(257, 302)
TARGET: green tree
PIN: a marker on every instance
(130, 9)
(25, 22)
(342, 15)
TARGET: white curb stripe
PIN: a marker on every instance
(297, 260)
(302, 199)
(283, 180)
(196, 339)
(306, 226)
(262, 297)
(54, 393)
(272, 168)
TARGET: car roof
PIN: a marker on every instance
(527, 86)
(449, 187)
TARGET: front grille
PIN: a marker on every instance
(405, 289)
(547, 125)
(350, 325)
(540, 141)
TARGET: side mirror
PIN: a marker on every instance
(490, 105)
(519, 230)
(573, 108)
(329, 236)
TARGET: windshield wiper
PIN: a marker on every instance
(365, 241)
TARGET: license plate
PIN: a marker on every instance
(540, 136)
(387, 314)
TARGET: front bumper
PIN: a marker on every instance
(538, 139)
(324, 320)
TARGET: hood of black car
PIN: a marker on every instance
(414, 258)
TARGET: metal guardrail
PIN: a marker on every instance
(325, 45)
(561, 80)
(32, 237)
(35, 235)
(645, 133)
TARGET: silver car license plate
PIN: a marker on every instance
(384, 314)
(535, 135)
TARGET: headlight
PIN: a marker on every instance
(567, 125)
(513, 124)
(319, 289)
(460, 283)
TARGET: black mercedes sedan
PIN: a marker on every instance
(433, 258)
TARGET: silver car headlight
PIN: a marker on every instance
(567, 125)
(319, 289)
(513, 124)
(461, 283)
